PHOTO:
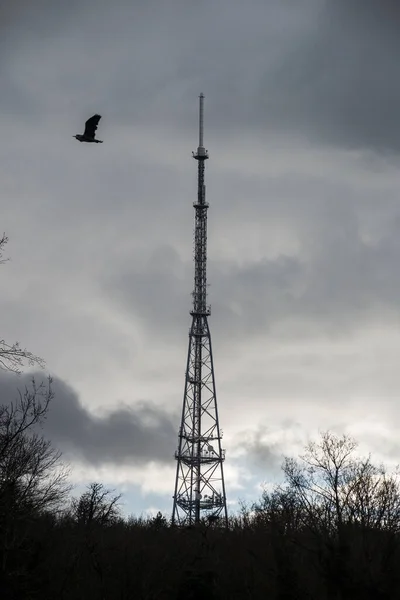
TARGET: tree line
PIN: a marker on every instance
(331, 530)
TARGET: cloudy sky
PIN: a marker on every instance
(303, 131)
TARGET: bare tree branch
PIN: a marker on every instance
(12, 356)
(3, 242)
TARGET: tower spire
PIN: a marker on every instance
(199, 485)
(200, 149)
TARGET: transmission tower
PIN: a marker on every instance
(200, 487)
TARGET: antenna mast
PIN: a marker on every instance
(199, 485)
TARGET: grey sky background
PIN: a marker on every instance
(301, 108)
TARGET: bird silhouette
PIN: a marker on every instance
(90, 131)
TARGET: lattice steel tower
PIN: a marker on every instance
(199, 486)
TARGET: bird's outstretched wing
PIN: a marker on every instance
(91, 126)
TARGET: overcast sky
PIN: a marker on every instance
(302, 101)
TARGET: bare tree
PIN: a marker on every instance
(336, 486)
(28, 463)
(33, 481)
(339, 508)
(96, 505)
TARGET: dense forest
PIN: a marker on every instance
(330, 531)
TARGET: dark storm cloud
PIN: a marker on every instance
(263, 455)
(157, 290)
(340, 288)
(324, 70)
(21, 19)
(266, 447)
(100, 237)
(337, 282)
(126, 435)
(339, 83)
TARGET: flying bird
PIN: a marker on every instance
(90, 131)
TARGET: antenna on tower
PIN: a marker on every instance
(199, 485)
(201, 151)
